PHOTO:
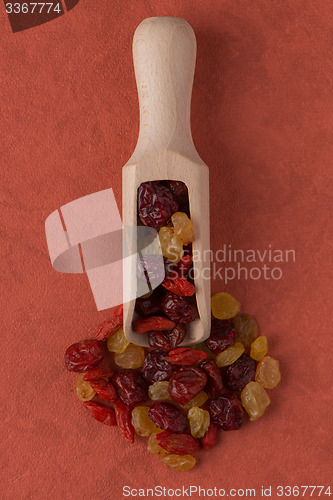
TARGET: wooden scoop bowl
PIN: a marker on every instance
(164, 53)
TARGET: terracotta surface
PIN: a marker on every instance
(262, 120)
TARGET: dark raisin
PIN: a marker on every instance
(227, 412)
(214, 385)
(167, 340)
(186, 383)
(155, 368)
(83, 356)
(168, 417)
(223, 335)
(156, 204)
(131, 387)
(240, 373)
(179, 309)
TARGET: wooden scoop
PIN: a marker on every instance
(164, 53)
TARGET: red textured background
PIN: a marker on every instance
(262, 120)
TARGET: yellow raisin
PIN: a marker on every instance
(229, 355)
(268, 372)
(259, 348)
(255, 400)
(117, 342)
(198, 400)
(179, 462)
(171, 244)
(84, 390)
(132, 357)
(183, 227)
(224, 306)
(158, 391)
(199, 421)
(247, 328)
(153, 447)
(141, 422)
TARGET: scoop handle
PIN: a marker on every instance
(164, 53)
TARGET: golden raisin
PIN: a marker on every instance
(224, 306)
(158, 391)
(153, 447)
(171, 244)
(199, 421)
(259, 348)
(132, 357)
(183, 227)
(229, 355)
(198, 400)
(117, 342)
(255, 400)
(84, 390)
(268, 372)
(141, 422)
(247, 329)
(179, 462)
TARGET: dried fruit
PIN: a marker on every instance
(183, 227)
(97, 373)
(184, 265)
(179, 309)
(124, 420)
(210, 438)
(198, 400)
(179, 190)
(180, 286)
(167, 340)
(101, 413)
(156, 204)
(144, 325)
(111, 325)
(167, 416)
(83, 356)
(141, 422)
(132, 357)
(186, 383)
(117, 342)
(181, 444)
(240, 373)
(158, 391)
(214, 384)
(224, 306)
(230, 355)
(255, 400)
(199, 421)
(247, 328)
(227, 412)
(153, 446)
(259, 348)
(177, 462)
(222, 336)
(185, 356)
(131, 387)
(268, 372)
(105, 390)
(171, 244)
(84, 390)
(155, 368)
(149, 306)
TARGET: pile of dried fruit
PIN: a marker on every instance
(179, 397)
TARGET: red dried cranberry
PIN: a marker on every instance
(180, 191)
(156, 204)
(240, 373)
(223, 335)
(155, 368)
(167, 416)
(131, 387)
(179, 309)
(167, 340)
(149, 306)
(210, 437)
(214, 385)
(186, 383)
(180, 444)
(184, 265)
(227, 412)
(83, 356)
